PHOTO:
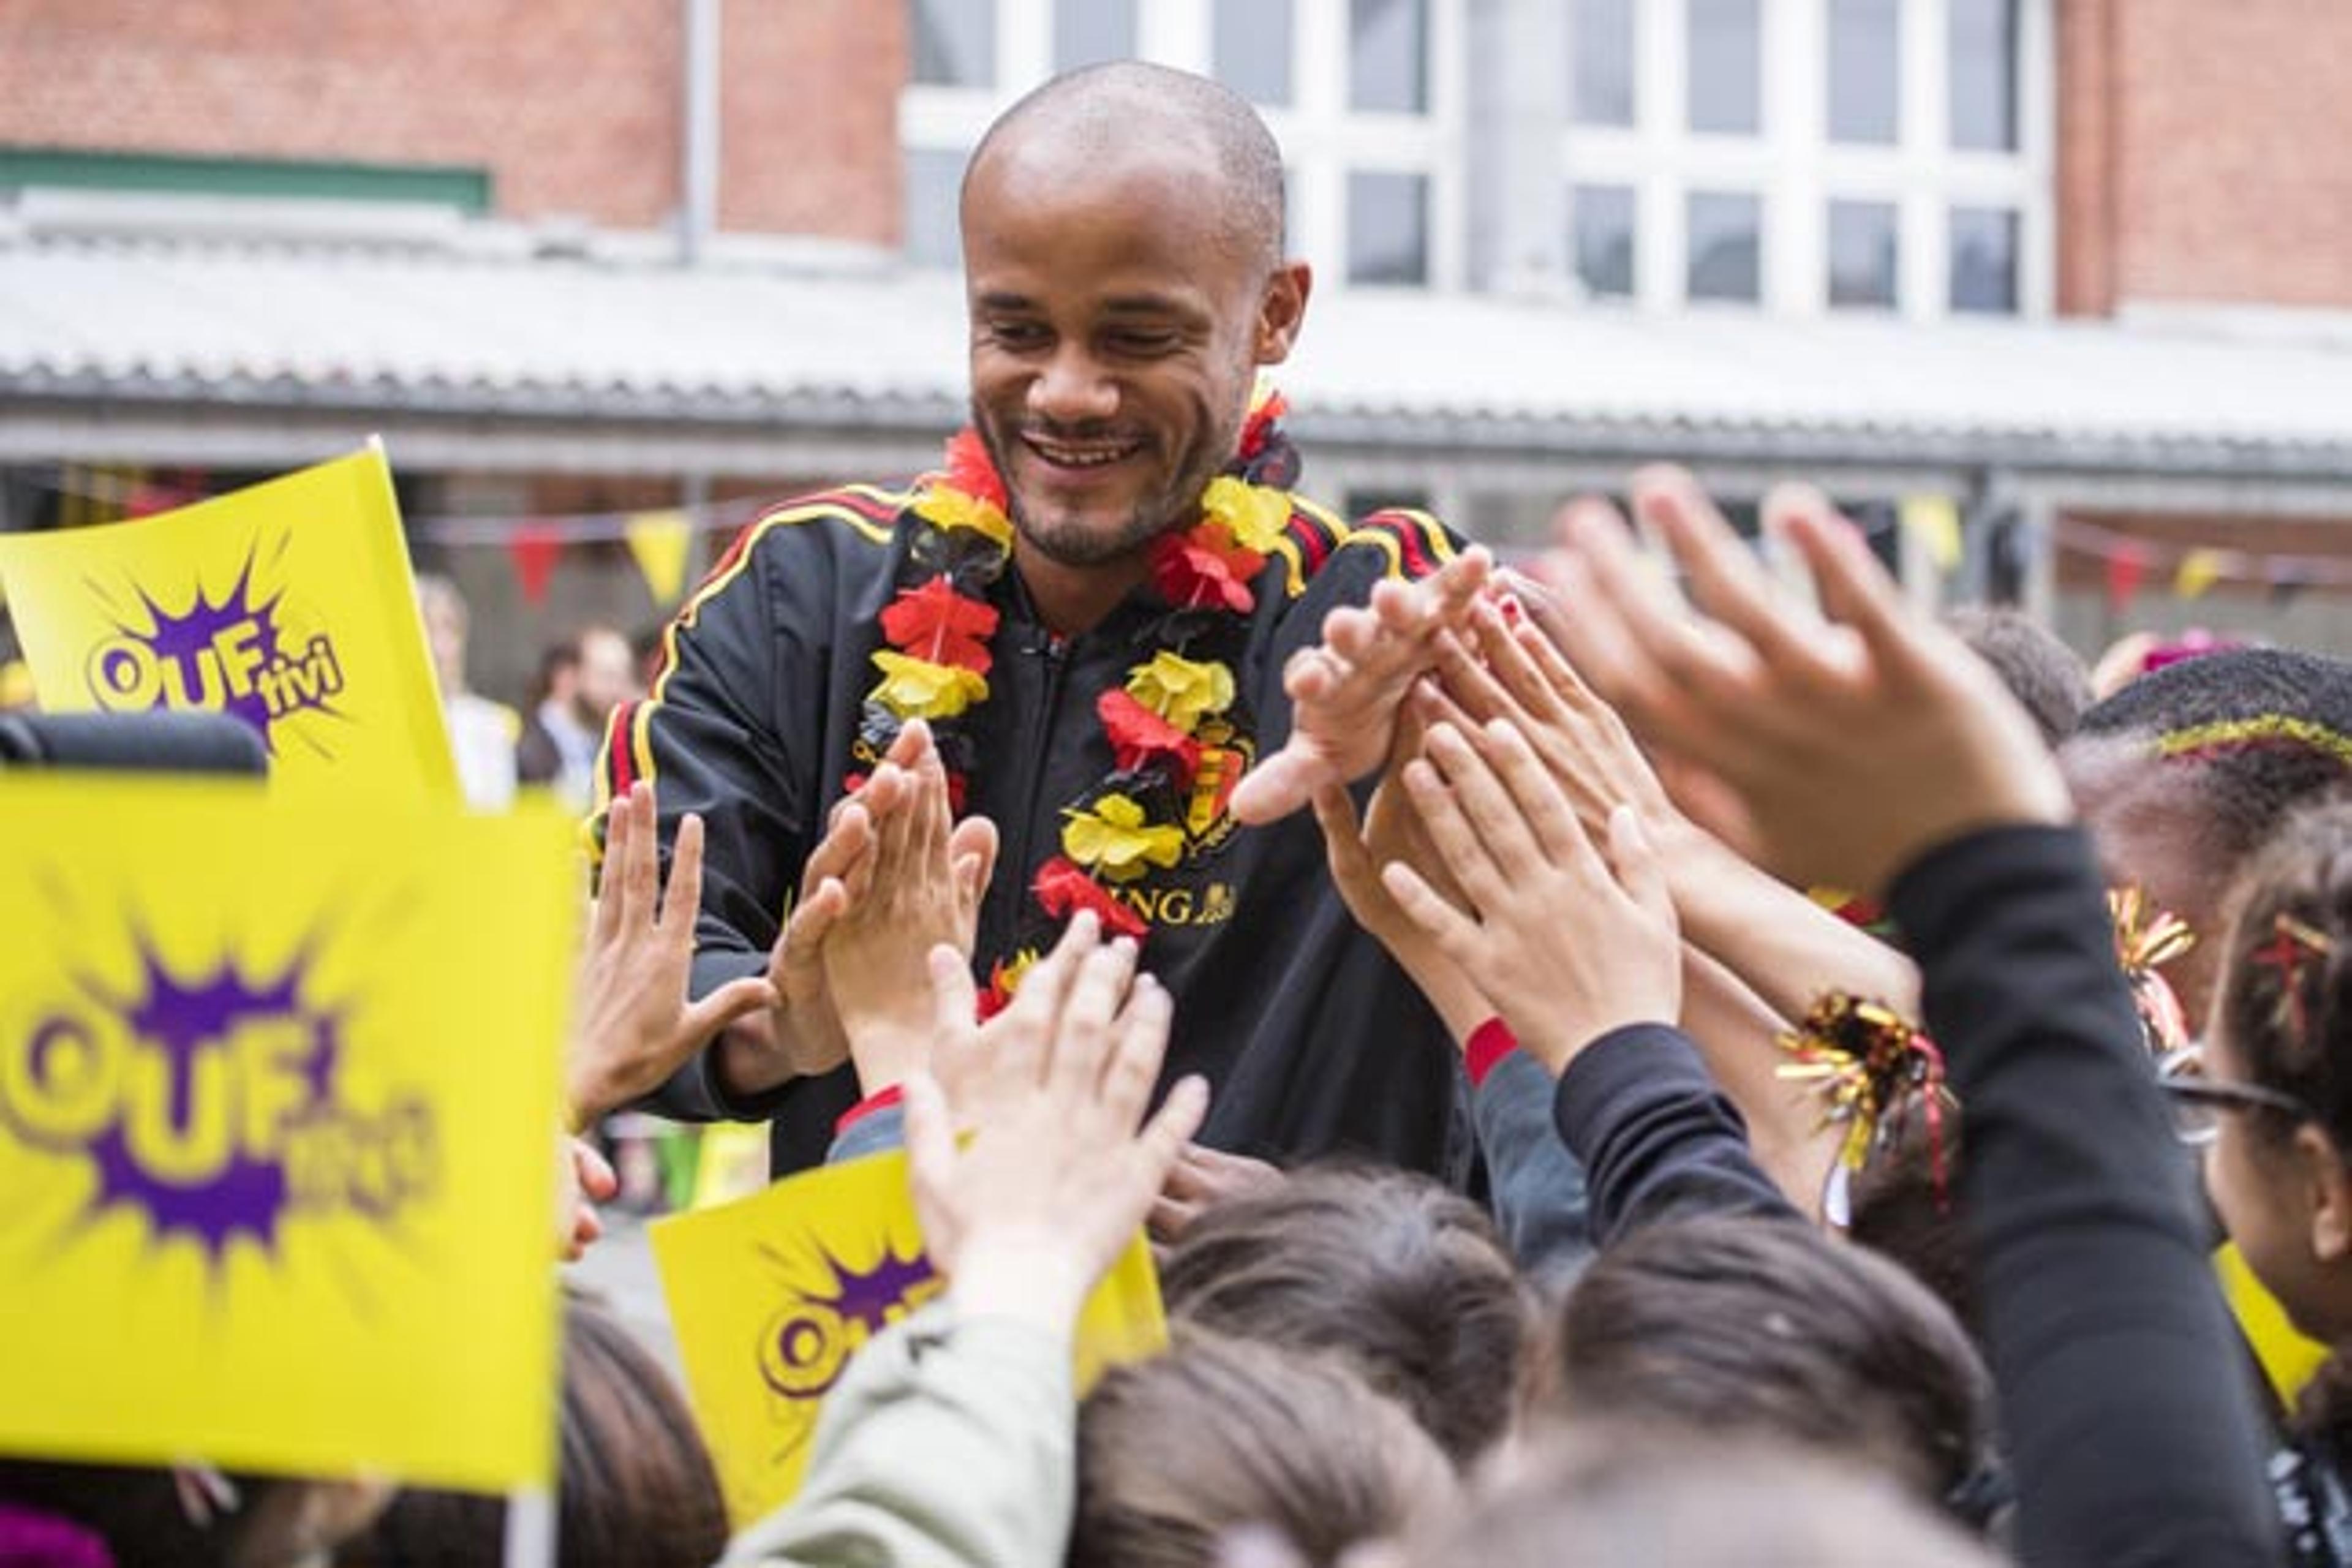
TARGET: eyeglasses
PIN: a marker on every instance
(2197, 1102)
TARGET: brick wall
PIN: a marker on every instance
(2199, 154)
(573, 107)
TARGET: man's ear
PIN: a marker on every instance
(1280, 310)
(2328, 1189)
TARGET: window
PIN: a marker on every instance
(1983, 44)
(1252, 49)
(1603, 218)
(1726, 76)
(1862, 253)
(934, 179)
(1388, 55)
(1865, 64)
(1726, 246)
(1089, 32)
(1984, 260)
(954, 42)
(1601, 54)
(1388, 228)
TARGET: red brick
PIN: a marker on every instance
(573, 110)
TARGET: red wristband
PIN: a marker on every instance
(1489, 1044)
(880, 1099)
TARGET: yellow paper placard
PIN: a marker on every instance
(277, 1129)
(771, 1296)
(289, 605)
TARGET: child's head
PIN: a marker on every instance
(1177, 1454)
(1609, 1492)
(2276, 1096)
(1736, 1325)
(2185, 773)
(1405, 1280)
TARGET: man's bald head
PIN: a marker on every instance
(1090, 116)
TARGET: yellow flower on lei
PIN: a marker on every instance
(1255, 514)
(1115, 839)
(946, 507)
(1181, 690)
(917, 688)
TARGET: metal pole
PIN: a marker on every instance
(699, 214)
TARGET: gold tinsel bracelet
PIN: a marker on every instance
(1868, 1064)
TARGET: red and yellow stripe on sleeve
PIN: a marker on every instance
(627, 755)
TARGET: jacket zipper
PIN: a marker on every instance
(1055, 653)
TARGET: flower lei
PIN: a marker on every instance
(935, 661)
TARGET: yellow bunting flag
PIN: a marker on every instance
(659, 540)
(771, 1296)
(1935, 521)
(277, 1122)
(289, 606)
(2200, 570)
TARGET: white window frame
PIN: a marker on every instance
(1797, 171)
(1322, 140)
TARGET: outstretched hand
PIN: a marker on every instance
(1346, 692)
(1027, 1214)
(1834, 752)
(635, 1026)
(1565, 945)
(922, 888)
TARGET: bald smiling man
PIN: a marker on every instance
(1078, 635)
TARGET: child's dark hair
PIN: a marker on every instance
(1768, 1328)
(1390, 1270)
(2041, 671)
(2287, 994)
(2266, 730)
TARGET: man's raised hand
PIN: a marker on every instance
(1344, 693)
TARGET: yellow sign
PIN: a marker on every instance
(289, 606)
(771, 1295)
(277, 1114)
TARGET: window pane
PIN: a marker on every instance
(934, 178)
(1865, 54)
(1388, 228)
(1387, 56)
(955, 41)
(1862, 253)
(1601, 50)
(1726, 261)
(1725, 47)
(1089, 32)
(1604, 239)
(1984, 74)
(1253, 49)
(1984, 259)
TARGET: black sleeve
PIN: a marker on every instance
(1536, 1188)
(709, 740)
(2131, 1428)
(1657, 1139)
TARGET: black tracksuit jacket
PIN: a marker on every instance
(1311, 1039)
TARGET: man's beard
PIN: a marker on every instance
(1079, 544)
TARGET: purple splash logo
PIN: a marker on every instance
(214, 1105)
(809, 1340)
(230, 655)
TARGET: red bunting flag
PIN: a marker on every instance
(2126, 567)
(535, 547)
